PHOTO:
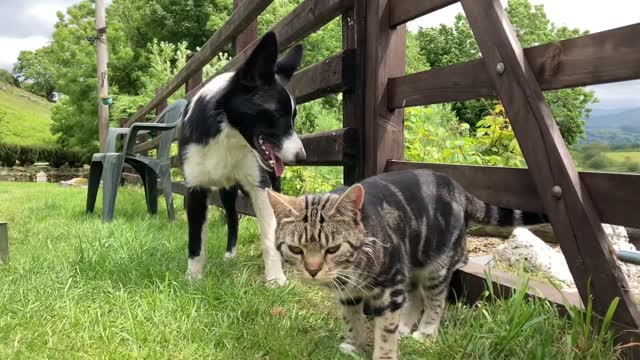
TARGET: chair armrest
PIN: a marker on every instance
(112, 137)
(138, 128)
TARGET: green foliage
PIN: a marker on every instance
(29, 155)
(24, 117)
(7, 77)
(35, 71)
(446, 45)
(433, 134)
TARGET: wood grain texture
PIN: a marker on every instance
(239, 20)
(383, 134)
(402, 11)
(354, 29)
(323, 78)
(574, 218)
(515, 188)
(598, 58)
(248, 35)
(308, 17)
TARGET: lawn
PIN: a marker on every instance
(25, 118)
(78, 288)
(622, 155)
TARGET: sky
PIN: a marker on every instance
(28, 24)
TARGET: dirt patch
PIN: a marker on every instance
(478, 246)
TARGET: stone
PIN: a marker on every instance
(523, 248)
(41, 177)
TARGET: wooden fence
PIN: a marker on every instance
(370, 73)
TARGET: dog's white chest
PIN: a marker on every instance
(225, 161)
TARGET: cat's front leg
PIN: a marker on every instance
(355, 325)
(387, 319)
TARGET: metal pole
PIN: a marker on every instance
(4, 242)
(103, 83)
(631, 257)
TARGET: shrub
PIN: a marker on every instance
(28, 155)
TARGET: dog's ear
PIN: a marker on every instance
(260, 66)
(287, 65)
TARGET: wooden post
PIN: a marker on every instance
(193, 81)
(575, 221)
(249, 35)
(103, 83)
(385, 57)
(163, 105)
(4, 242)
(354, 30)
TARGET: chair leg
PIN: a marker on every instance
(168, 196)
(151, 190)
(110, 184)
(95, 173)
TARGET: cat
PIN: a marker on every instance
(388, 245)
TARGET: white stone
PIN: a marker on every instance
(41, 177)
(523, 248)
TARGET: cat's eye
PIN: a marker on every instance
(333, 249)
(296, 249)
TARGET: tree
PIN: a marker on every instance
(35, 72)
(445, 45)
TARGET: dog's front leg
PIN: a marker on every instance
(267, 223)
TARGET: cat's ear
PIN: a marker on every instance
(351, 201)
(283, 206)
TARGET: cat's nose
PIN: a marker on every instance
(313, 272)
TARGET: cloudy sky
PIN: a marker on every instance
(28, 24)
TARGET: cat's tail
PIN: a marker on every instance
(481, 212)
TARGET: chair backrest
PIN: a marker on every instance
(172, 114)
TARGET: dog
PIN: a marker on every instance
(237, 134)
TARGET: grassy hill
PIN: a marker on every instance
(622, 155)
(25, 118)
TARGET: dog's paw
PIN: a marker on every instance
(193, 276)
(230, 255)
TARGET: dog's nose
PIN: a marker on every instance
(313, 272)
(301, 156)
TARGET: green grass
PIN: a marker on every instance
(25, 118)
(622, 155)
(77, 288)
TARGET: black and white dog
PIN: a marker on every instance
(237, 134)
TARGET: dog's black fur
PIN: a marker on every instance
(253, 110)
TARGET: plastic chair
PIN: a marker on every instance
(108, 166)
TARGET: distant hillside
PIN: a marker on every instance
(614, 127)
(25, 119)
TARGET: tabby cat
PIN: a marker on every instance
(386, 246)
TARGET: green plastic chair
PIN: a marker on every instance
(108, 166)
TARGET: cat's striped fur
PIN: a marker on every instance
(388, 246)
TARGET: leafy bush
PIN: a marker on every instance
(28, 155)
(433, 134)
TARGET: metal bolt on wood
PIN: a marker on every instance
(500, 68)
(556, 191)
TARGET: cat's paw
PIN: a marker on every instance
(347, 348)
(403, 330)
(277, 282)
(422, 335)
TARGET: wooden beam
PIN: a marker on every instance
(403, 11)
(239, 20)
(247, 36)
(514, 188)
(383, 134)
(308, 17)
(327, 148)
(574, 218)
(243, 203)
(323, 78)
(608, 56)
(354, 30)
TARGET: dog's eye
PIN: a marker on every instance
(296, 249)
(333, 249)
